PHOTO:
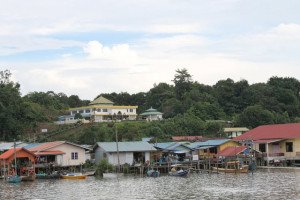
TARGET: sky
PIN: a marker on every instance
(90, 47)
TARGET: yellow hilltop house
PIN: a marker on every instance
(100, 110)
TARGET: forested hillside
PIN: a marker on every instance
(186, 104)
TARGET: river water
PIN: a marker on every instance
(263, 184)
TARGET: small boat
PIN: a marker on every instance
(14, 179)
(153, 173)
(28, 178)
(180, 173)
(233, 167)
(112, 175)
(89, 173)
(47, 176)
(73, 176)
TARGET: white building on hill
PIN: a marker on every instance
(100, 110)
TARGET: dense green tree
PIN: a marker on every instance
(183, 82)
(254, 116)
(207, 111)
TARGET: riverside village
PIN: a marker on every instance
(238, 151)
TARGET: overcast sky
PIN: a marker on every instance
(95, 46)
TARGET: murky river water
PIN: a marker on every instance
(264, 184)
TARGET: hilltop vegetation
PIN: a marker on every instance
(186, 105)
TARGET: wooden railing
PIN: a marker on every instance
(273, 154)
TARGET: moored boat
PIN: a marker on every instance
(233, 167)
(73, 176)
(28, 177)
(180, 173)
(47, 176)
(14, 179)
(153, 173)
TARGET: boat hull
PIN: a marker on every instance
(28, 178)
(71, 176)
(15, 179)
(180, 174)
(230, 170)
(45, 176)
(153, 173)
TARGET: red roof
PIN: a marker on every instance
(50, 153)
(277, 131)
(232, 151)
(186, 137)
(46, 146)
(20, 152)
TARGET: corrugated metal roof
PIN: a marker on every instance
(186, 137)
(126, 146)
(146, 139)
(45, 146)
(277, 131)
(8, 145)
(196, 145)
(29, 146)
(11, 153)
(232, 151)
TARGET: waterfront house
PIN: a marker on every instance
(25, 159)
(278, 142)
(152, 114)
(100, 110)
(129, 152)
(59, 153)
(173, 151)
(211, 148)
(235, 131)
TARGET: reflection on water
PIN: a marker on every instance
(264, 184)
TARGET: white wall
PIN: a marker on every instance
(68, 149)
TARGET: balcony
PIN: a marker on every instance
(273, 154)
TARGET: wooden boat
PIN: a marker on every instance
(28, 178)
(233, 167)
(180, 173)
(14, 179)
(47, 176)
(153, 173)
(73, 176)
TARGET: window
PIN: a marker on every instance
(104, 109)
(262, 147)
(131, 110)
(80, 111)
(74, 112)
(98, 109)
(289, 146)
(87, 111)
(74, 155)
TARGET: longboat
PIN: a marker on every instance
(73, 176)
(233, 167)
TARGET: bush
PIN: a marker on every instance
(104, 166)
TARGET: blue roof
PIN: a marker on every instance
(196, 145)
(170, 145)
(33, 145)
(126, 146)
